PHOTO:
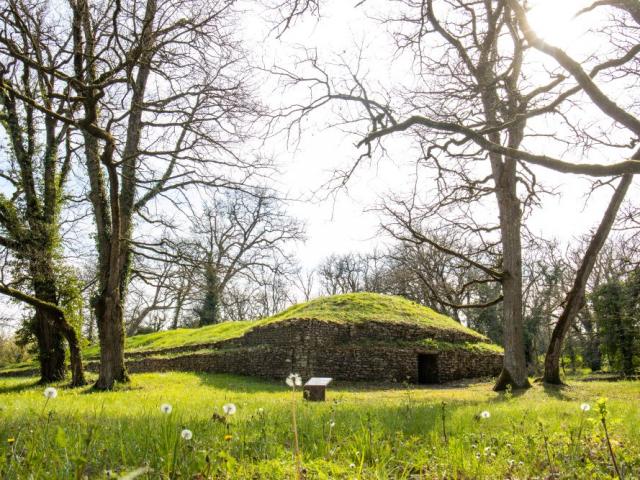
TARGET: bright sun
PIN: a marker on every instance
(554, 21)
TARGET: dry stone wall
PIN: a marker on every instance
(369, 351)
(318, 332)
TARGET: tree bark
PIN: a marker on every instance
(514, 371)
(576, 296)
(110, 320)
(505, 176)
(180, 298)
(50, 347)
(44, 286)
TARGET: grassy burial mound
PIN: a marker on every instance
(351, 308)
(358, 336)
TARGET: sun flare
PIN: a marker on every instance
(555, 21)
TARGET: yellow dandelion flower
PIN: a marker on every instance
(11, 440)
(228, 438)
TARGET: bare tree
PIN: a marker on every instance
(304, 282)
(240, 238)
(340, 274)
(150, 292)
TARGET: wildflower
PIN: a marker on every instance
(166, 408)
(260, 410)
(332, 424)
(50, 392)
(11, 440)
(294, 380)
(485, 414)
(602, 407)
(229, 409)
(585, 407)
(352, 465)
(228, 437)
(186, 434)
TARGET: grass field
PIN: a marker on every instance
(361, 432)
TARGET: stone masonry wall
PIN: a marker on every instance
(346, 362)
(370, 351)
(317, 332)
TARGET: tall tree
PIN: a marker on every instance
(472, 101)
(576, 297)
(35, 171)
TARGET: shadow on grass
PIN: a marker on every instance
(239, 383)
(20, 387)
(256, 384)
(557, 391)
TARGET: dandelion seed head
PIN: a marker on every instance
(229, 409)
(186, 434)
(166, 408)
(585, 407)
(294, 380)
(485, 414)
(50, 392)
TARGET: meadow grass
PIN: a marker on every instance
(362, 432)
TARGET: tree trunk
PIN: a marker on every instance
(576, 296)
(50, 347)
(627, 350)
(110, 319)
(592, 355)
(514, 370)
(44, 288)
(182, 293)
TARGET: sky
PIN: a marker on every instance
(346, 221)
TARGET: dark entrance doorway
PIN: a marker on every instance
(427, 368)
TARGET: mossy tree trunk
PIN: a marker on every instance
(51, 354)
(44, 287)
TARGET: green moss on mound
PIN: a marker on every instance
(348, 308)
(363, 307)
(183, 336)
